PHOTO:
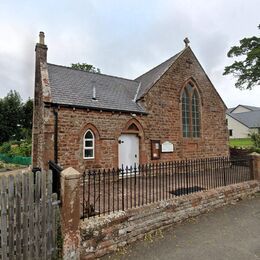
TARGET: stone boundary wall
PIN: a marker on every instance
(105, 234)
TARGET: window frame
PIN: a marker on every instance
(92, 148)
(185, 119)
(190, 90)
(195, 116)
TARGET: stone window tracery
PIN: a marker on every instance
(190, 112)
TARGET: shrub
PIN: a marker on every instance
(24, 149)
(256, 139)
(16, 148)
(5, 148)
(1, 165)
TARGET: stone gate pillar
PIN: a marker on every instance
(70, 213)
(255, 166)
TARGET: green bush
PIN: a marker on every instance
(256, 139)
(5, 148)
(254, 149)
(16, 148)
(24, 149)
(1, 165)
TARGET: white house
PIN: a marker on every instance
(243, 120)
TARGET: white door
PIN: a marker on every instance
(128, 150)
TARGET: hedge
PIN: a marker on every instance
(15, 159)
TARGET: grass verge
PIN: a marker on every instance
(241, 142)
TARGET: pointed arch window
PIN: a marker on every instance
(89, 145)
(190, 112)
(185, 114)
(195, 114)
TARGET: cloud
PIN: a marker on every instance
(16, 60)
(124, 38)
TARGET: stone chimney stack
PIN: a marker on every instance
(39, 89)
(41, 38)
(41, 49)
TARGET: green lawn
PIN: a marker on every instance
(241, 142)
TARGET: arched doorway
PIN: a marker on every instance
(129, 145)
(128, 150)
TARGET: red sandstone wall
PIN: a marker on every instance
(164, 121)
(105, 234)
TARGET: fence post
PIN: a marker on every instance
(70, 213)
(255, 166)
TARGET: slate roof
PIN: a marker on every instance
(252, 108)
(250, 119)
(229, 110)
(74, 87)
(149, 78)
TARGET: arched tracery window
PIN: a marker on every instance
(190, 112)
(89, 145)
(185, 114)
(195, 114)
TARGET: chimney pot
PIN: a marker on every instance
(41, 38)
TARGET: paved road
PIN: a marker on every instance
(231, 232)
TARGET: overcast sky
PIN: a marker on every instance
(125, 38)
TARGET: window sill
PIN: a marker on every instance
(191, 139)
(89, 158)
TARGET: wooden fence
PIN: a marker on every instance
(28, 216)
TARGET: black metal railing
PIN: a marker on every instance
(56, 172)
(105, 191)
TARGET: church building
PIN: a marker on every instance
(94, 121)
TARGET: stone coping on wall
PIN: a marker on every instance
(105, 234)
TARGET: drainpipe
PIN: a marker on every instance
(55, 112)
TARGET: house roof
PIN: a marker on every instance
(252, 108)
(229, 110)
(74, 87)
(149, 78)
(250, 119)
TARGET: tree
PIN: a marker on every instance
(247, 70)
(15, 118)
(10, 113)
(85, 67)
(26, 119)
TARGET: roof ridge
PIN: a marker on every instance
(250, 107)
(62, 66)
(158, 71)
(160, 64)
(250, 119)
(245, 106)
(245, 112)
(237, 119)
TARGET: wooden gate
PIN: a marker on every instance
(29, 216)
